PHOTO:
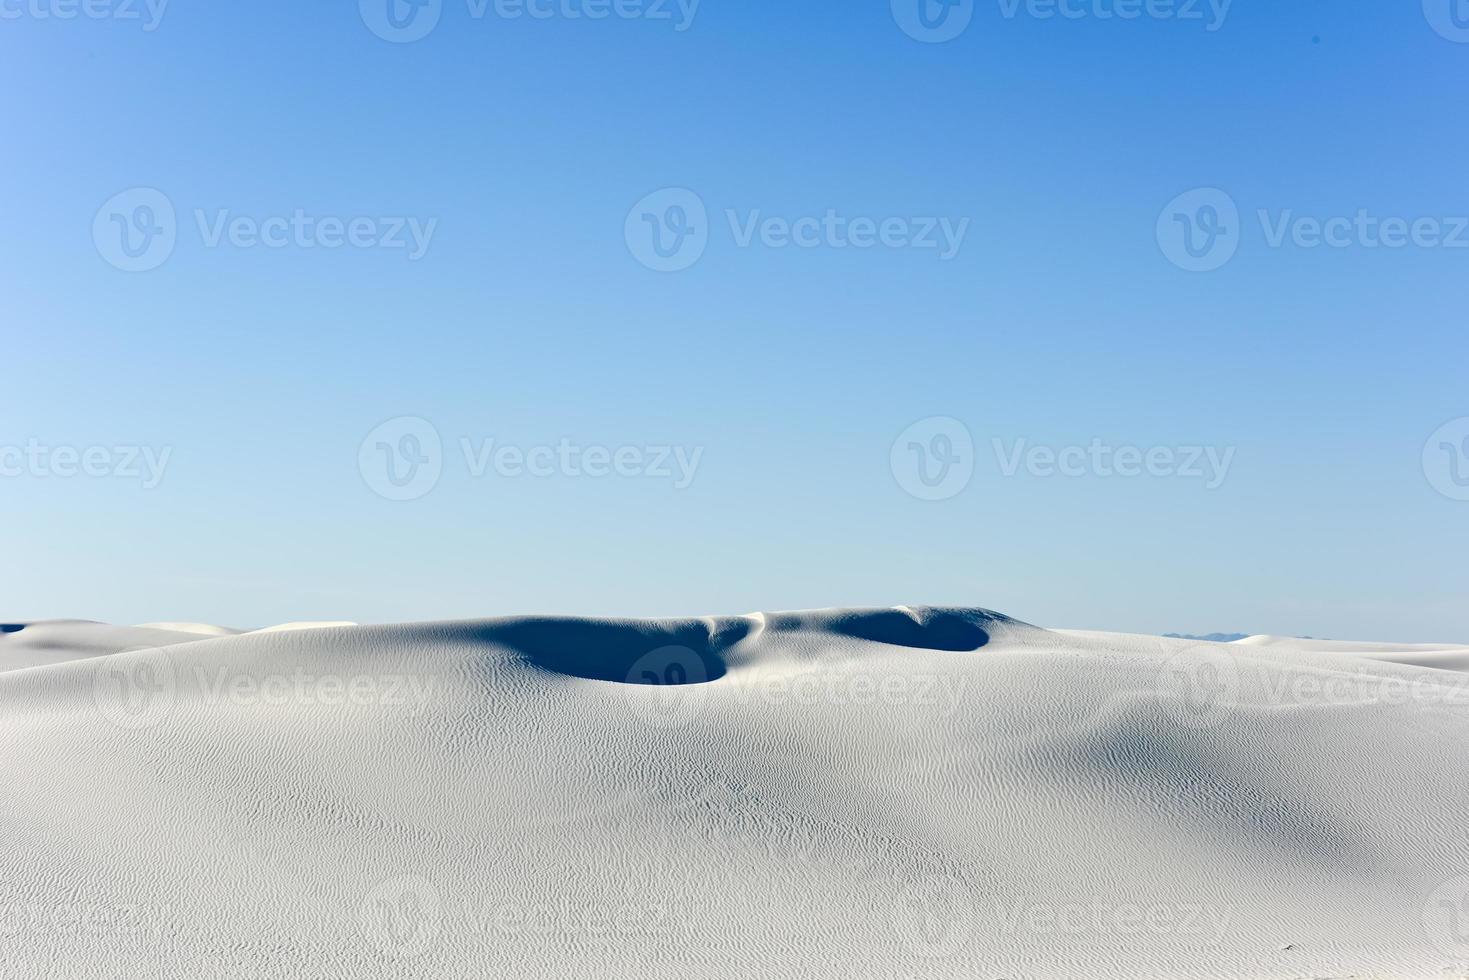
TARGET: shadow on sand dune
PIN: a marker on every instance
(922, 627)
(694, 651)
(671, 652)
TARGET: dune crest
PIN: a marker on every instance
(684, 651)
(323, 624)
(203, 629)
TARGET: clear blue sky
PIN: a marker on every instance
(530, 319)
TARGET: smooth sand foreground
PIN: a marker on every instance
(848, 793)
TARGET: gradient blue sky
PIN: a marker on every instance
(529, 320)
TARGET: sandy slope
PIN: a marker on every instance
(909, 792)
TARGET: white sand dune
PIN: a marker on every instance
(908, 792)
(1439, 655)
(57, 641)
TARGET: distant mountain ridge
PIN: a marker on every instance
(1208, 637)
